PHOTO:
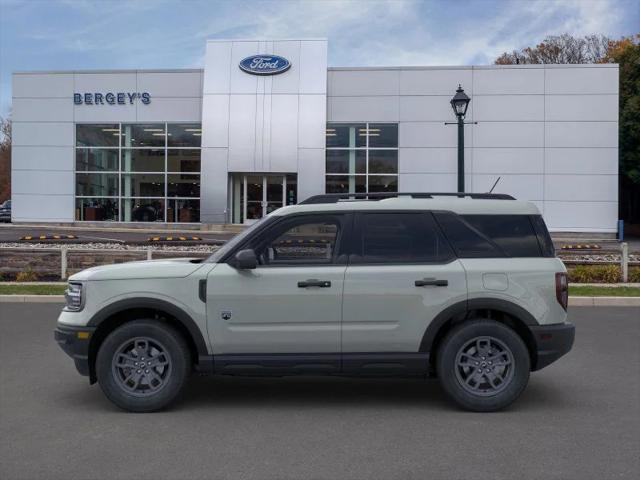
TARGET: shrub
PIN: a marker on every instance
(634, 274)
(27, 275)
(595, 274)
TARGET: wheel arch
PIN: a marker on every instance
(123, 311)
(502, 311)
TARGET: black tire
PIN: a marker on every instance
(458, 364)
(131, 389)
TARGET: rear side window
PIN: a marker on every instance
(544, 239)
(399, 238)
(514, 234)
(467, 241)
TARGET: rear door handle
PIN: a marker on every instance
(314, 283)
(431, 282)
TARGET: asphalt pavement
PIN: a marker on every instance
(578, 419)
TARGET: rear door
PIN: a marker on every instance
(401, 274)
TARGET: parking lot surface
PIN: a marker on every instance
(578, 419)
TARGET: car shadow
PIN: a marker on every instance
(203, 392)
(337, 391)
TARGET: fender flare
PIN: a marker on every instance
(461, 309)
(153, 303)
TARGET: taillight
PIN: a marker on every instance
(562, 289)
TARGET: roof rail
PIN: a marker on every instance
(337, 197)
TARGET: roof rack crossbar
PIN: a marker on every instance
(337, 197)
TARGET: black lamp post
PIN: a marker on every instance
(460, 103)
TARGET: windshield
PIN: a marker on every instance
(233, 242)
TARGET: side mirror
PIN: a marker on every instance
(245, 260)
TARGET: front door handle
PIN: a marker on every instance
(314, 283)
(431, 282)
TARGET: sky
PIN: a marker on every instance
(114, 34)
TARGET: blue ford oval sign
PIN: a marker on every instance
(265, 64)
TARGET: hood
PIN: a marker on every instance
(166, 268)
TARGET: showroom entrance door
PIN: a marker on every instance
(256, 195)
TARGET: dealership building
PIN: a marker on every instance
(268, 123)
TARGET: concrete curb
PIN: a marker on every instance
(604, 301)
(31, 298)
(573, 301)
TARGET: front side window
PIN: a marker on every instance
(361, 157)
(301, 242)
(400, 238)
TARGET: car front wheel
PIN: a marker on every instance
(143, 365)
(483, 365)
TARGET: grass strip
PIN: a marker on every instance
(32, 289)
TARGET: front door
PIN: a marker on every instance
(261, 195)
(290, 304)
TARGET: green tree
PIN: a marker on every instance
(5, 159)
(626, 53)
(600, 49)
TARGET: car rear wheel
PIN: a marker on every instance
(143, 365)
(483, 365)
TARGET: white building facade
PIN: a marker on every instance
(268, 123)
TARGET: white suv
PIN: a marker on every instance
(465, 287)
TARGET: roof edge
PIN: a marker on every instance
(103, 71)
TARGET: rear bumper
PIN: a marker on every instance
(552, 342)
(74, 345)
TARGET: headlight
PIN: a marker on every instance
(73, 297)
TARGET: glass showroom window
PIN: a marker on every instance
(138, 172)
(362, 157)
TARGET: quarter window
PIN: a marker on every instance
(512, 233)
(544, 239)
(400, 238)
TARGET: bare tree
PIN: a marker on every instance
(560, 49)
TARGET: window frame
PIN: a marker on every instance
(120, 198)
(357, 235)
(366, 148)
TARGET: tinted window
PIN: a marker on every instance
(544, 239)
(383, 135)
(103, 135)
(512, 233)
(400, 238)
(311, 241)
(467, 242)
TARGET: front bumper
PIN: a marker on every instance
(75, 343)
(552, 342)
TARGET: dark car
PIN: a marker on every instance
(5, 211)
